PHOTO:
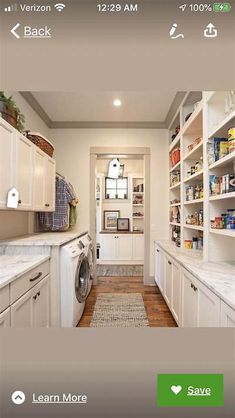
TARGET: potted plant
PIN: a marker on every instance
(10, 112)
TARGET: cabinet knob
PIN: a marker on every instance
(169, 262)
(19, 202)
(47, 205)
(158, 251)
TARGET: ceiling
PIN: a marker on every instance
(91, 107)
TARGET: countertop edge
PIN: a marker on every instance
(32, 266)
(25, 241)
(203, 281)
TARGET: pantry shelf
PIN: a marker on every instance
(175, 142)
(139, 204)
(195, 176)
(177, 185)
(194, 122)
(137, 217)
(223, 196)
(175, 204)
(225, 232)
(224, 125)
(196, 227)
(175, 223)
(175, 166)
(223, 161)
(192, 202)
(195, 152)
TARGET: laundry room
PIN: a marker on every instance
(117, 209)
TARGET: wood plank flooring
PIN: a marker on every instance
(157, 311)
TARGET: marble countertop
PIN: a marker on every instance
(218, 277)
(12, 267)
(44, 239)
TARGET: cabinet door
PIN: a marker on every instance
(6, 161)
(24, 171)
(176, 291)
(168, 281)
(22, 312)
(138, 247)
(160, 268)
(49, 185)
(189, 300)
(39, 199)
(108, 247)
(227, 316)
(124, 247)
(5, 319)
(208, 307)
(40, 300)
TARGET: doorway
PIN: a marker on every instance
(132, 207)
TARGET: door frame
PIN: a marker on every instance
(145, 153)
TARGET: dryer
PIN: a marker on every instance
(74, 282)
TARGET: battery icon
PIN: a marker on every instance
(222, 7)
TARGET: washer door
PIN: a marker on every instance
(82, 279)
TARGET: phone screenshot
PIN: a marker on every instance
(117, 209)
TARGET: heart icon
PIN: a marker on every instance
(176, 389)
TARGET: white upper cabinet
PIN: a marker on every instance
(49, 184)
(39, 180)
(44, 182)
(6, 161)
(23, 180)
(25, 167)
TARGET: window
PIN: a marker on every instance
(116, 188)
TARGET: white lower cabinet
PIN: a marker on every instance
(188, 318)
(176, 291)
(227, 316)
(138, 247)
(121, 247)
(5, 320)
(160, 268)
(32, 309)
(191, 302)
(168, 281)
(200, 306)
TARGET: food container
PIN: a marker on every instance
(187, 244)
(175, 156)
(41, 142)
(195, 243)
(218, 222)
(231, 140)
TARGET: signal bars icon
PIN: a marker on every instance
(12, 8)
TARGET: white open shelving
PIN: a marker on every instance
(212, 114)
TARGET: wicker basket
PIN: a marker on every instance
(41, 142)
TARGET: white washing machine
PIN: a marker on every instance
(90, 253)
(74, 282)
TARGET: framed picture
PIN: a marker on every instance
(123, 224)
(110, 219)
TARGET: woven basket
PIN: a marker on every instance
(41, 142)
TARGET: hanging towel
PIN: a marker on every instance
(58, 220)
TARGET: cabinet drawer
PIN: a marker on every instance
(4, 298)
(28, 280)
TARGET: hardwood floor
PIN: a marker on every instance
(157, 311)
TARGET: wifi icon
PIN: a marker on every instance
(59, 7)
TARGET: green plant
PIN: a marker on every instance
(11, 106)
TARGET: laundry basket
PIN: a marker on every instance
(41, 142)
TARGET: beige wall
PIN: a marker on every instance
(12, 223)
(72, 157)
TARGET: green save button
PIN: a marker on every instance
(190, 390)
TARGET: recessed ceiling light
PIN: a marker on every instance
(117, 103)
